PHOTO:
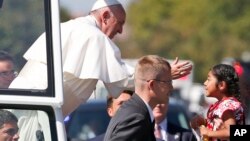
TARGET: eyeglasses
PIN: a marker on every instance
(8, 73)
(11, 131)
(166, 82)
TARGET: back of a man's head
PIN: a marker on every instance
(153, 80)
(150, 67)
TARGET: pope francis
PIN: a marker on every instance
(88, 55)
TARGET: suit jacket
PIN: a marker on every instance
(131, 122)
(177, 133)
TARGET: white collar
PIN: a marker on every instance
(150, 111)
(95, 20)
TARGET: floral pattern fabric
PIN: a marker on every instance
(216, 111)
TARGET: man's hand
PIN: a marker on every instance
(179, 70)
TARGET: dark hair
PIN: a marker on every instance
(4, 56)
(110, 98)
(228, 74)
(6, 117)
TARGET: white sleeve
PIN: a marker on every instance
(115, 88)
(76, 91)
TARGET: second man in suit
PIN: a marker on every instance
(167, 131)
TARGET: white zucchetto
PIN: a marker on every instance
(104, 3)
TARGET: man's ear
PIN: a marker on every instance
(105, 16)
(110, 112)
(150, 84)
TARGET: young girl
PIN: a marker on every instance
(222, 84)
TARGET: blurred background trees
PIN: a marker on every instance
(19, 31)
(202, 31)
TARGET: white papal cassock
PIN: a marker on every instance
(88, 55)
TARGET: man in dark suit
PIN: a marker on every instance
(167, 130)
(134, 119)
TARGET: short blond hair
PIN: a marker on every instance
(151, 67)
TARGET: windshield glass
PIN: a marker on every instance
(25, 31)
(27, 125)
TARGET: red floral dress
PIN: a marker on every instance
(217, 109)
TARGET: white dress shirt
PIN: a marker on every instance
(163, 126)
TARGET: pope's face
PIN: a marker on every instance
(115, 23)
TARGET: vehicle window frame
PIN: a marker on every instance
(47, 109)
(50, 90)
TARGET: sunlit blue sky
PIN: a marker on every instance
(82, 7)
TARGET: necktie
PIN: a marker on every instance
(157, 131)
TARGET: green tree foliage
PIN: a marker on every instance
(203, 31)
(21, 23)
(64, 15)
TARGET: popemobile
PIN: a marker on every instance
(38, 109)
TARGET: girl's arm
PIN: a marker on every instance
(224, 130)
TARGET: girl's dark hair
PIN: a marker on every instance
(228, 74)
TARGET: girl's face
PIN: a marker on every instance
(211, 89)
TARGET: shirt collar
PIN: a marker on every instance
(163, 124)
(150, 111)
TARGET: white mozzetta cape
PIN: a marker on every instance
(88, 55)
